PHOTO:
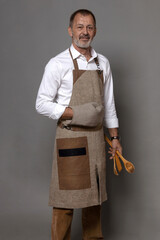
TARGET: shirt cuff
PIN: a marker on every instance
(58, 111)
(112, 123)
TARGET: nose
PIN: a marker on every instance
(85, 30)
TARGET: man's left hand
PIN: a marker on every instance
(116, 146)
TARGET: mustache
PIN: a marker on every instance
(84, 36)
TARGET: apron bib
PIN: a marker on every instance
(79, 162)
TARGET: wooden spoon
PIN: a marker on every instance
(128, 165)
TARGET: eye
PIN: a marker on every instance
(90, 28)
(79, 27)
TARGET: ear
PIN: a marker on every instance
(70, 31)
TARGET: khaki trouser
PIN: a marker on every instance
(91, 223)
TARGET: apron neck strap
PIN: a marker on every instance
(98, 66)
(97, 63)
(76, 64)
(74, 61)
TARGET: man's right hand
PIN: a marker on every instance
(68, 114)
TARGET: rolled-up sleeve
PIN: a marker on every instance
(110, 119)
(46, 98)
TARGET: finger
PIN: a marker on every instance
(119, 150)
(113, 151)
(110, 152)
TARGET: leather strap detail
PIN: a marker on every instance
(77, 72)
(76, 64)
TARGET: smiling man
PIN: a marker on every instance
(77, 90)
(82, 30)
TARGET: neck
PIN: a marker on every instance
(84, 51)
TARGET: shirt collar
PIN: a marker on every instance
(76, 54)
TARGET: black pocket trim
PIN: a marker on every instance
(72, 152)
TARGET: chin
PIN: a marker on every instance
(83, 45)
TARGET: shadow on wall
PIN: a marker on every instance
(124, 190)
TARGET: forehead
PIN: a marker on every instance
(83, 19)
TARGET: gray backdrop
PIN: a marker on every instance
(32, 32)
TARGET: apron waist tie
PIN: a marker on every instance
(79, 128)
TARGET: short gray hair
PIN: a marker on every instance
(83, 12)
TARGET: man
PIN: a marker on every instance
(77, 89)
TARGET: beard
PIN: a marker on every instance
(81, 44)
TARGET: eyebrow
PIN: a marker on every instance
(79, 24)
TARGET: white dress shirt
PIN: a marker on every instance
(56, 87)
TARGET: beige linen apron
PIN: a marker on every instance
(79, 163)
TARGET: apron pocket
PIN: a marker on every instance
(73, 163)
